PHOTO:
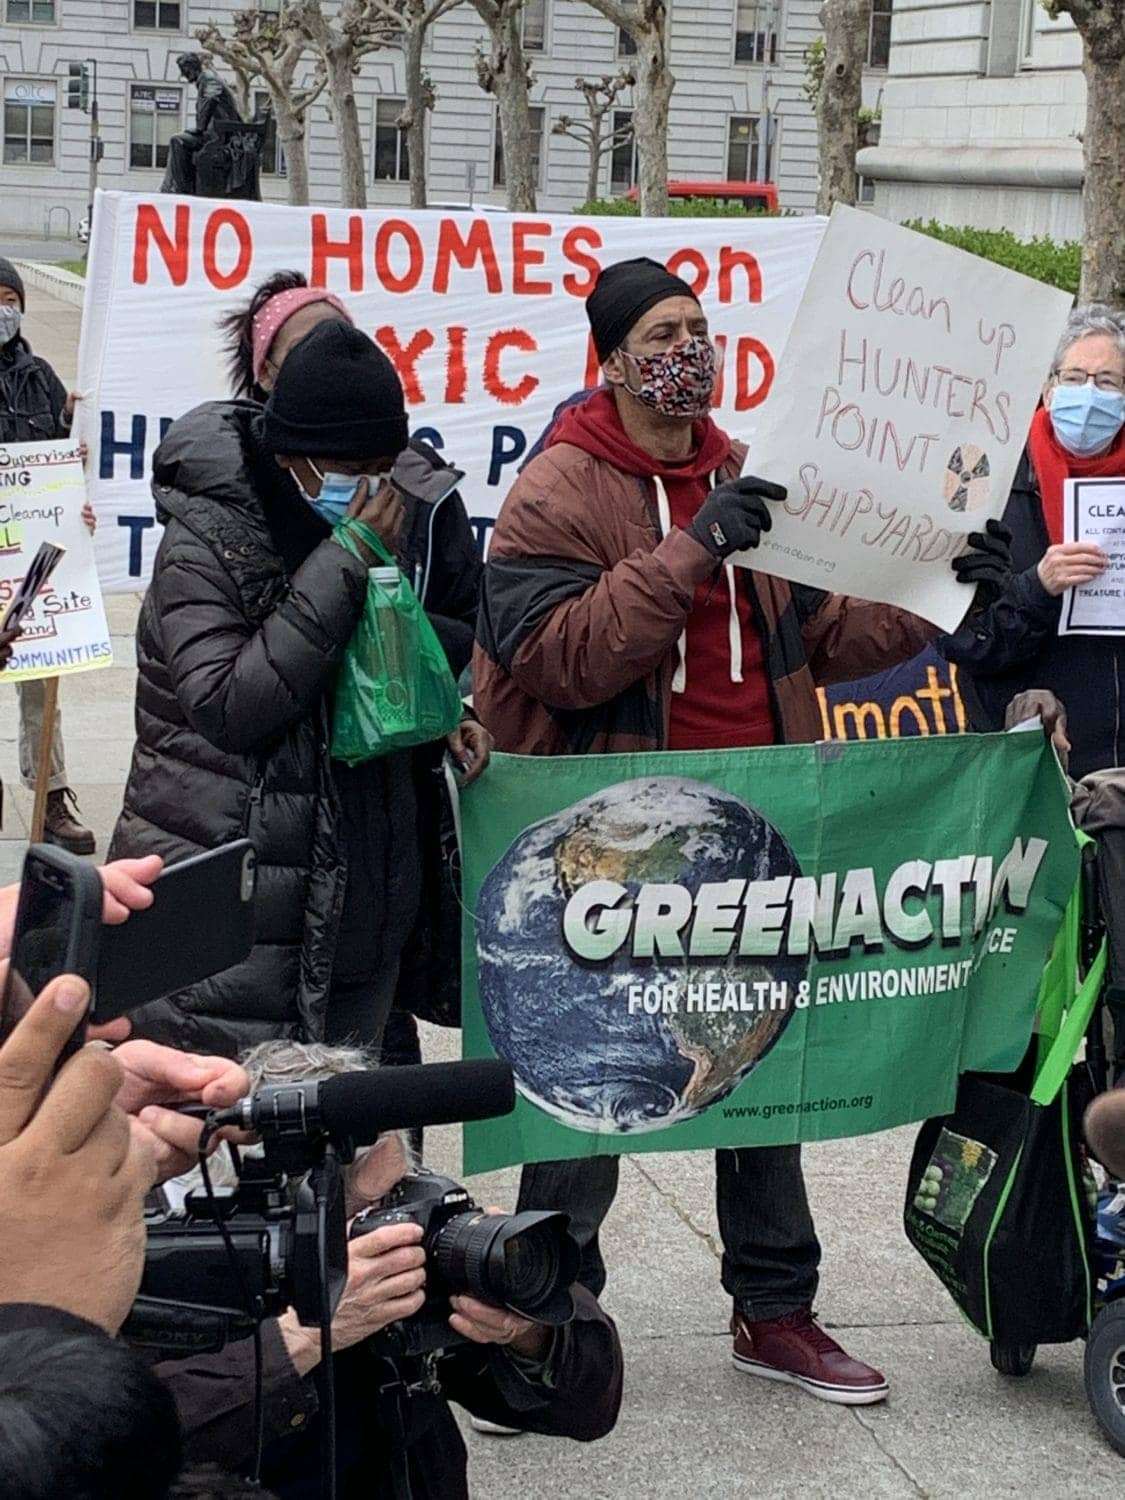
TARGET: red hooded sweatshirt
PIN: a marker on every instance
(720, 694)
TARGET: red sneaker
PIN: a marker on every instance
(796, 1349)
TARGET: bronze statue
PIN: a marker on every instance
(220, 157)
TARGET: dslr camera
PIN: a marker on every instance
(526, 1261)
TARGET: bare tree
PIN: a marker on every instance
(413, 19)
(505, 73)
(846, 24)
(340, 44)
(646, 21)
(600, 94)
(268, 46)
(1101, 24)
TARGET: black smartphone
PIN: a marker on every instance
(43, 564)
(201, 922)
(58, 927)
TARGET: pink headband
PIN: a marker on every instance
(277, 311)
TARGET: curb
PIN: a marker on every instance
(60, 283)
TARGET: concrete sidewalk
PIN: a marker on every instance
(692, 1426)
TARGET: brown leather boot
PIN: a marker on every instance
(63, 828)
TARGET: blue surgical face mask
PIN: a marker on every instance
(1085, 419)
(337, 491)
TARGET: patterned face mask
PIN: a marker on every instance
(678, 383)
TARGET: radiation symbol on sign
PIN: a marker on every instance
(966, 478)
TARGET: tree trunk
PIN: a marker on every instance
(594, 170)
(504, 74)
(846, 24)
(291, 139)
(650, 117)
(1103, 192)
(353, 174)
(413, 44)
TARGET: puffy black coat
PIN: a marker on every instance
(32, 396)
(235, 658)
(1014, 645)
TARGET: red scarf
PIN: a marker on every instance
(1053, 465)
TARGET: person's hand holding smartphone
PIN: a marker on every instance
(57, 931)
(74, 1170)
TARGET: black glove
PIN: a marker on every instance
(735, 514)
(988, 566)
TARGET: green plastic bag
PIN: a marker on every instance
(395, 688)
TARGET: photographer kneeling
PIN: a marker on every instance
(396, 1434)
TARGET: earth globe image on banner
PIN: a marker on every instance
(581, 1042)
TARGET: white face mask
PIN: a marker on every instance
(9, 323)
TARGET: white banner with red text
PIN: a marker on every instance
(482, 315)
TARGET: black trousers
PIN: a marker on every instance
(771, 1253)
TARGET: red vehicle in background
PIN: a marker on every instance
(755, 197)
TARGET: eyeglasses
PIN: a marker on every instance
(1105, 380)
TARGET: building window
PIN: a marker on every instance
(392, 157)
(626, 46)
(30, 12)
(879, 36)
(744, 149)
(535, 26)
(270, 7)
(866, 190)
(157, 15)
(273, 157)
(29, 122)
(498, 178)
(623, 158)
(755, 34)
(155, 114)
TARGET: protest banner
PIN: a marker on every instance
(899, 414)
(1094, 511)
(482, 315)
(42, 491)
(917, 697)
(688, 950)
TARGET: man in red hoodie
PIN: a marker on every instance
(611, 620)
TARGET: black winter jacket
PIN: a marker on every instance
(1014, 645)
(32, 396)
(235, 659)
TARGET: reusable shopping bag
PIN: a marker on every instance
(394, 687)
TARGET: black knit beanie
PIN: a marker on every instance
(337, 396)
(10, 277)
(622, 296)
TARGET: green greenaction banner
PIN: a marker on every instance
(740, 948)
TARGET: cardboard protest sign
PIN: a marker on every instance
(482, 315)
(42, 491)
(900, 410)
(1094, 511)
(687, 950)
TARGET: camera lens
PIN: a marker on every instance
(524, 1261)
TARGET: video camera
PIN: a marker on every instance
(231, 1258)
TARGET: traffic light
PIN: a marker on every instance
(78, 86)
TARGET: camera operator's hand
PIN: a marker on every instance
(158, 1076)
(386, 1282)
(73, 1170)
(735, 514)
(485, 1324)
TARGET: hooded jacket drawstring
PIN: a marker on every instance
(664, 511)
(679, 680)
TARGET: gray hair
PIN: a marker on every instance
(1086, 319)
(285, 1061)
